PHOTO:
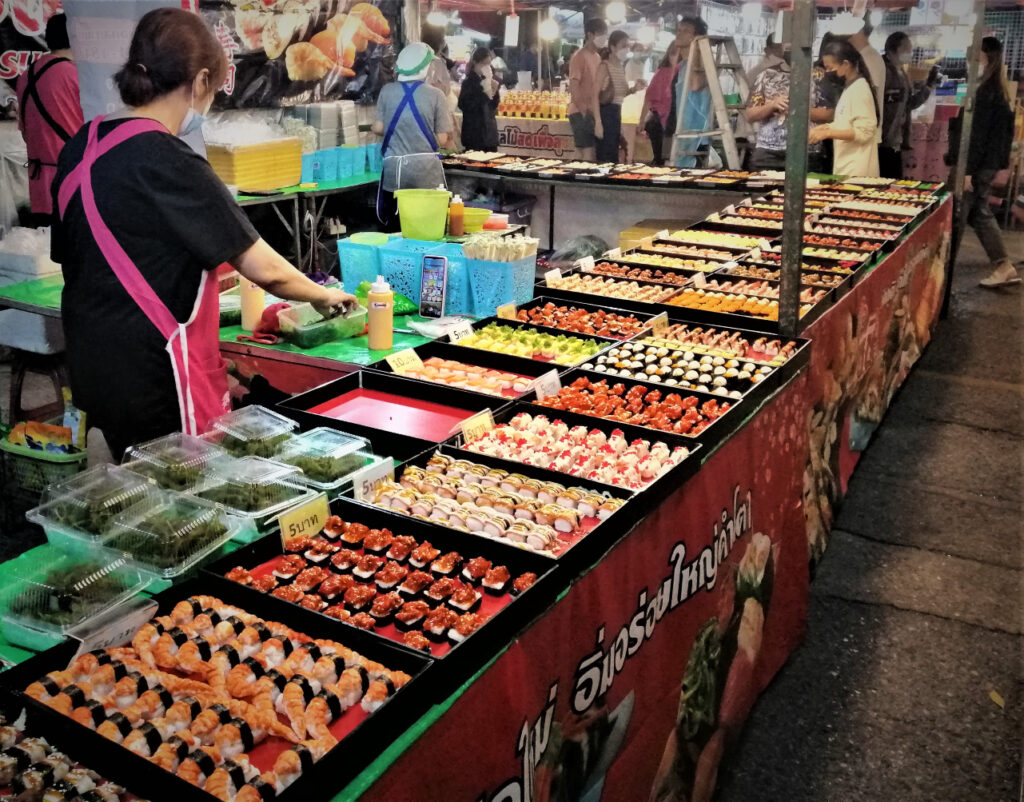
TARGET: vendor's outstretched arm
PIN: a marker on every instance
(263, 265)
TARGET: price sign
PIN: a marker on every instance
(730, 209)
(477, 426)
(460, 332)
(548, 384)
(699, 281)
(403, 361)
(614, 253)
(764, 244)
(366, 481)
(729, 265)
(507, 311)
(586, 264)
(305, 519)
(661, 234)
(115, 627)
(554, 276)
(658, 324)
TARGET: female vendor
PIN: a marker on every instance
(415, 121)
(142, 225)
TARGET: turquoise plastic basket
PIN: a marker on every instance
(401, 261)
(458, 294)
(495, 283)
(359, 263)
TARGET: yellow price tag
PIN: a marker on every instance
(658, 324)
(477, 426)
(507, 311)
(460, 332)
(306, 519)
(402, 361)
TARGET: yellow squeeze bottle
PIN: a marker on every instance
(380, 301)
(254, 299)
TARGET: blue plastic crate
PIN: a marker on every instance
(495, 283)
(359, 263)
(401, 261)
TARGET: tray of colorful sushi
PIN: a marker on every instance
(729, 308)
(33, 768)
(719, 251)
(526, 506)
(587, 319)
(829, 280)
(488, 372)
(530, 342)
(399, 416)
(421, 587)
(217, 694)
(645, 259)
(655, 275)
(628, 294)
(732, 343)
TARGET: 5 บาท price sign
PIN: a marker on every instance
(306, 519)
(366, 481)
(460, 332)
(548, 384)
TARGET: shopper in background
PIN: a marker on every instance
(584, 88)
(855, 128)
(416, 123)
(988, 153)
(439, 75)
(873, 63)
(614, 89)
(658, 103)
(900, 99)
(772, 57)
(141, 225)
(50, 113)
(478, 101)
(697, 113)
(828, 88)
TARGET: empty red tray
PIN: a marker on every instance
(394, 413)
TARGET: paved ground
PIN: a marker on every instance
(916, 610)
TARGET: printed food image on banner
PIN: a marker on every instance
(22, 23)
(287, 52)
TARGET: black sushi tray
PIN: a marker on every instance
(348, 757)
(541, 300)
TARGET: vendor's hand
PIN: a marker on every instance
(968, 184)
(333, 301)
(818, 134)
(781, 105)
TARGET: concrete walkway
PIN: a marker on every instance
(916, 610)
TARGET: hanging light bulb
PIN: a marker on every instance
(549, 29)
(646, 34)
(615, 12)
(437, 17)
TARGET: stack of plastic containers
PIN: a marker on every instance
(328, 458)
(175, 462)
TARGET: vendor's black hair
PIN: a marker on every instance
(700, 27)
(615, 38)
(595, 26)
(480, 54)
(57, 33)
(894, 40)
(841, 50)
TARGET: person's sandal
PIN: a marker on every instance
(1003, 276)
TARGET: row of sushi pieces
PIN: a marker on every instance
(725, 342)
(33, 771)
(427, 595)
(146, 696)
(595, 455)
(493, 502)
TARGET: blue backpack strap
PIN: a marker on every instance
(409, 90)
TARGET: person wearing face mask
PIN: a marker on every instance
(142, 224)
(478, 100)
(697, 113)
(854, 130)
(658, 103)
(584, 88)
(900, 99)
(614, 89)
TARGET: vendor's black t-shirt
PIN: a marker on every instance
(175, 219)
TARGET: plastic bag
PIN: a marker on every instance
(403, 306)
(577, 248)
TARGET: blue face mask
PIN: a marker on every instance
(193, 119)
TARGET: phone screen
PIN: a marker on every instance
(432, 286)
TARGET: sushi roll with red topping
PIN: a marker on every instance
(240, 575)
(436, 624)
(447, 564)
(401, 548)
(464, 626)
(309, 578)
(476, 569)
(359, 597)
(388, 577)
(312, 601)
(368, 565)
(416, 640)
(465, 600)
(423, 555)
(378, 541)
(363, 621)
(496, 580)
(335, 586)
(288, 593)
(384, 607)
(338, 611)
(344, 561)
(415, 583)
(334, 528)
(297, 545)
(320, 552)
(265, 583)
(440, 590)
(411, 615)
(523, 582)
(354, 534)
(288, 566)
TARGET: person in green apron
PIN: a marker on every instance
(415, 122)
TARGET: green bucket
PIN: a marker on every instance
(423, 213)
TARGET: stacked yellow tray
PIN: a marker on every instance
(263, 166)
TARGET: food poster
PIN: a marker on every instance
(636, 683)
(288, 52)
(22, 25)
(862, 351)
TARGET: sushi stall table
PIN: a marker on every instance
(40, 297)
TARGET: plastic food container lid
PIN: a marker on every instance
(85, 504)
(175, 461)
(327, 457)
(61, 595)
(325, 442)
(167, 534)
(252, 470)
(254, 423)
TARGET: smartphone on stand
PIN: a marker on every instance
(433, 286)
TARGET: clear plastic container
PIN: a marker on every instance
(251, 431)
(168, 534)
(78, 514)
(304, 327)
(254, 488)
(327, 457)
(175, 462)
(40, 608)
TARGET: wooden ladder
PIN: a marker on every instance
(716, 55)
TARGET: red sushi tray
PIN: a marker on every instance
(506, 614)
(362, 736)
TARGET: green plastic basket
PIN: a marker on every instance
(25, 473)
